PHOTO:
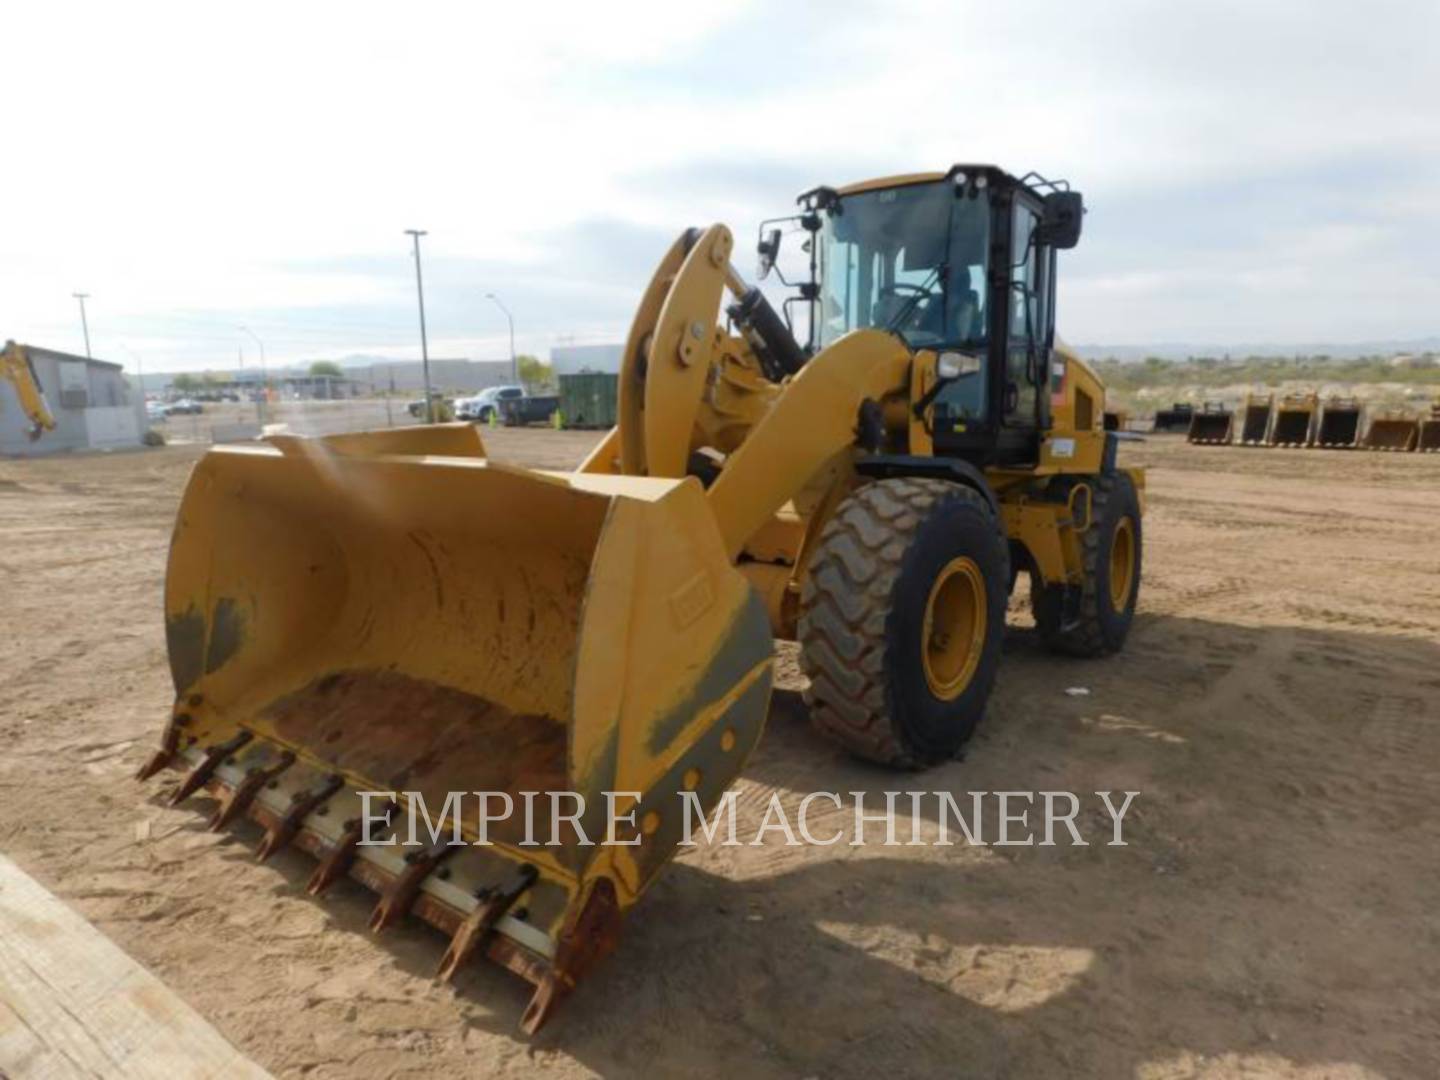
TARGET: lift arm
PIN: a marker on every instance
(16, 366)
(669, 365)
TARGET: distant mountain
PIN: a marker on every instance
(1185, 350)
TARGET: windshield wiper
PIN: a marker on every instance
(909, 305)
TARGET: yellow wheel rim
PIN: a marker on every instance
(1122, 564)
(953, 636)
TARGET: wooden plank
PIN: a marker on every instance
(72, 1004)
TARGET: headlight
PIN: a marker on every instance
(952, 365)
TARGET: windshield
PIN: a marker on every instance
(909, 259)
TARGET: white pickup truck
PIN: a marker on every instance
(486, 403)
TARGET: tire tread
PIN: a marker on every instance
(845, 603)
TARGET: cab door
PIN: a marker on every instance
(1026, 400)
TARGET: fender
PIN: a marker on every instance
(884, 466)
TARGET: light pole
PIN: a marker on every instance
(84, 325)
(264, 398)
(424, 345)
(514, 364)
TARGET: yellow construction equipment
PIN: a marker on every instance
(1339, 427)
(1175, 418)
(1429, 442)
(1212, 425)
(392, 613)
(1295, 420)
(1255, 419)
(17, 367)
(1394, 430)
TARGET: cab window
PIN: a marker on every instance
(1024, 367)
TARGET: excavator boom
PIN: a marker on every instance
(17, 367)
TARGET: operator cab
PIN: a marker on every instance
(961, 263)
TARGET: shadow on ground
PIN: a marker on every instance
(1252, 917)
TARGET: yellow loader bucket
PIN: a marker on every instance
(1392, 431)
(1255, 420)
(1339, 424)
(355, 614)
(1430, 434)
(1294, 424)
(1211, 427)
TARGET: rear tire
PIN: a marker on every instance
(1111, 552)
(902, 619)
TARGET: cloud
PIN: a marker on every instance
(1257, 171)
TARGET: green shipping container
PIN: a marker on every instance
(588, 400)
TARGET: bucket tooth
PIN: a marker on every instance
(301, 806)
(169, 745)
(335, 864)
(476, 927)
(155, 762)
(239, 798)
(396, 900)
(542, 1003)
(586, 939)
(196, 778)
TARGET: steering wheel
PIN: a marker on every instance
(916, 309)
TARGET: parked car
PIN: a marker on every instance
(184, 407)
(517, 412)
(156, 410)
(487, 403)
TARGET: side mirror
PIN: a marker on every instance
(1060, 220)
(769, 249)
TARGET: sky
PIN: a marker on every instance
(1253, 171)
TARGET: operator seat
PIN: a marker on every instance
(887, 308)
(968, 325)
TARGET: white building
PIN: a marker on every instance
(448, 376)
(91, 400)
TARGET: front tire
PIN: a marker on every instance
(902, 619)
(1111, 552)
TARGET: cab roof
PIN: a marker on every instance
(881, 182)
(1034, 182)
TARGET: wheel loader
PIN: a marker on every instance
(361, 626)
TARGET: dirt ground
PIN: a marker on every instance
(1275, 912)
